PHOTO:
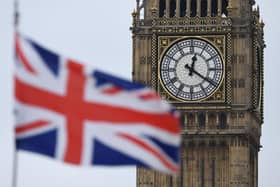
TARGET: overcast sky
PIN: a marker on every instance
(97, 32)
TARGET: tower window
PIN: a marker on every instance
(190, 120)
(224, 7)
(212, 120)
(223, 120)
(141, 8)
(201, 120)
(161, 8)
(202, 174)
(193, 8)
(203, 8)
(185, 121)
(214, 11)
(183, 8)
(172, 8)
(213, 172)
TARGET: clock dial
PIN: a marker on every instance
(191, 69)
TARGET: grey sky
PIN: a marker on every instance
(97, 32)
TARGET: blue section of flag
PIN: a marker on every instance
(49, 58)
(42, 144)
(108, 156)
(171, 151)
(104, 78)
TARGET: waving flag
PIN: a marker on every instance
(82, 116)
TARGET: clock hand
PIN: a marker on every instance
(201, 76)
(194, 59)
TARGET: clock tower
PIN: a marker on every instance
(206, 58)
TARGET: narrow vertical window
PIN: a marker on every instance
(224, 8)
(201, 120)
(193, 8)
(223, 120)
(190, 120)
(202, 172)
(213, 172)
(203, 8)
(214, 11)
(142, 9)
(181, 172)
(172, 8)
(161, 8)
(183, 8)
(185, 121)
(212, 121)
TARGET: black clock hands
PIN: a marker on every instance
(194, 59)
(201, 76)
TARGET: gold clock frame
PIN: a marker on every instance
(161, 56)
(222, 42)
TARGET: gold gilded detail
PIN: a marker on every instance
(218, 96)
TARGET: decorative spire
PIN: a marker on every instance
(154, 8)
(134, 13)
(262, 23)
(154, 4)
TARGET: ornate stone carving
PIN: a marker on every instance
(211, 155)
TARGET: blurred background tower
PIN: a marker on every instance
(222, 120)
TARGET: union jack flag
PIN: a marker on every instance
(82, 116)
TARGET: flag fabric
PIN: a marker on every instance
(79, 115)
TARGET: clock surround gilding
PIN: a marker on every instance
(191, 69)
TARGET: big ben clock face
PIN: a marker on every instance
(191, 69)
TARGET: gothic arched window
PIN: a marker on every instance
(183, 8)
(214, 10)
(161, 8)
(172, 8)
(193, 8)
(203, 8)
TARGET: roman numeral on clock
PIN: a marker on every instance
(203, 89)
(211, 82)
(203, 49)
(171, 69)
(171, 58)
(215, 69)
(173, 80)
(212, 57)
(191, 92)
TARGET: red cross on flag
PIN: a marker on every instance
(82, 116)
